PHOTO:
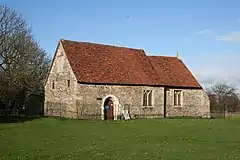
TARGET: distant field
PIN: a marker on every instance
(186, 139)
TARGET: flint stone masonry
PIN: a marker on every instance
(61, 99)
(85, 101)
(195, 102)
(129, 96)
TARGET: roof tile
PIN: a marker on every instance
(98, 63)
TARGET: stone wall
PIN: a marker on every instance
(71, 99)
(194, 103)
(91, 97)
(60, 100)
(130, 97)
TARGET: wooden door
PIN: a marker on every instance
(110, 113)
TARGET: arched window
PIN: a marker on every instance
(177, 97)
(147, 98)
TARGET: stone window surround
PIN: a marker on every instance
(68, 83)
(181, 97)
(152, 92)
(53, 84)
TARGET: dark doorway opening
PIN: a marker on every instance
(108, 109)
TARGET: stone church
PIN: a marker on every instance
(84, 76)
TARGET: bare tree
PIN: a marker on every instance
(23, 64)
(223, 97)
(11, 26)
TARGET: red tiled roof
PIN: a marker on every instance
(105, 64)
(173, 72)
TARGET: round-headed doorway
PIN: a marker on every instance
(110, 106)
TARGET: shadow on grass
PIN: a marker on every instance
(191, 117)
(78, 119)
(18, 119)
(22, 119)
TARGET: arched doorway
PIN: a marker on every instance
(115, 109)
(108, 115)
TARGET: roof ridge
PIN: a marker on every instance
(162, 56)
(108, 45)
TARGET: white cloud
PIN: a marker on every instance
(206, 79)
(217, 68)
(201, 32)
(205, 32)
(233, 36)
(230, 37)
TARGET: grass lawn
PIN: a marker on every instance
(50, 138)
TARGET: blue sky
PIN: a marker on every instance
(205, 33)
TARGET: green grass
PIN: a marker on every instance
(49, 138)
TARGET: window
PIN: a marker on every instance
(68, 83)
(147, 98)
(53, 85)
(177, 98)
